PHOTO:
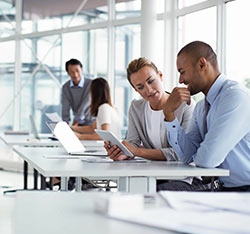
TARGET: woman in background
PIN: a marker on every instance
(107, 117)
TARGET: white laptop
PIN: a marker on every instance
(34, 129)
(71, 143)
(54, 117)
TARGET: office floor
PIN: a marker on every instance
(9, 180)
(12, 179)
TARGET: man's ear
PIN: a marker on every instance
(202, 63)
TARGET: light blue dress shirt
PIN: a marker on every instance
(227, 142)
(80, 84)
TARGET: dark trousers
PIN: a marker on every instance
(245, 188)
(177, 185)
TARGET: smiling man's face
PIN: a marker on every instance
(189, 74)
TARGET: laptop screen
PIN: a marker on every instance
(67, 138)
(51, 125)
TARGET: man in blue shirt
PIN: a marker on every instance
(219, 133)
(75, 95)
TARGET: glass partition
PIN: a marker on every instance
(186, 3)
(7, 18)
(127, 48)
(40, 83)
(7, 63)
(127, 9)
(200, 25)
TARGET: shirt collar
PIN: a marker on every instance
(215, 89)
(80, 85)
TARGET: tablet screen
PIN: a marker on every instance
(109, 136)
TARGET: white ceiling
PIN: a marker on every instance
(44, 8)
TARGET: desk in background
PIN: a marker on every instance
(29, 141)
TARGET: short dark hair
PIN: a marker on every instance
(135, 65)
(100, 94)
(72, 62)
(198, 49)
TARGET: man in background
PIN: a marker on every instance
(75, 95)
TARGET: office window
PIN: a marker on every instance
(159, 45)
(127, 9)
(160, 4)
(98, 52)
(7, 21)
(199, 25)
(186, 3)
(48, 24)
(127, 48)
(40, 88)
(7, 64)
(92, 12)
(73, 45)
(90, 47)
(238, 38)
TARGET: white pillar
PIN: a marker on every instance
(18, 66)
(111, 49)
(170, 45)
(148, 29)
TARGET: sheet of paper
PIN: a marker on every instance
(54, 117)
(194, 212)
(235, 202)
(187, 221)
(63, 156)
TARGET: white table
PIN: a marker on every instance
(66, 212)
(29, 141)
(50, 212)
(131, 177)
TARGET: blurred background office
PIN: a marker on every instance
(38, 37)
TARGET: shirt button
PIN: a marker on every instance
(176, 143)
(173, 126)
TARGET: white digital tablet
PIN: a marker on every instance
(109, 136)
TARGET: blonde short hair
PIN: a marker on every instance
(136, 64)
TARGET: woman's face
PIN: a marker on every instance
(147, 82)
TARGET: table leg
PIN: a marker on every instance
(43, 182)
(25, 175)
(35, 178)
(51, 183)
(137, 184)
(78, 184)
(212, 184)
(64, 183)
